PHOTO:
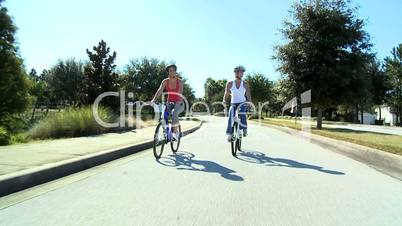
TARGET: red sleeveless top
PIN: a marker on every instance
(173, 93)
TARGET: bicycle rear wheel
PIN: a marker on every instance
(174, 144)
(233, 141)
(159, 140)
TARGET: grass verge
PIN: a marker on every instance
(385, 142)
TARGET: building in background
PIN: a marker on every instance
(387, 114)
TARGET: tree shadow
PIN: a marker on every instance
(260, 158)
(185, 161)
(345, 130)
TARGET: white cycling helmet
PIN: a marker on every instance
(239, 68)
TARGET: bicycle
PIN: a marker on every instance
(237, 133)
(164, 132)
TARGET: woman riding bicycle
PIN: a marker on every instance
(240, 94)
(174, 88)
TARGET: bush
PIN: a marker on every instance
(255, 116)
(379, 122)
(71, 123)
(5, 138)
(15, 123)
(19, 138)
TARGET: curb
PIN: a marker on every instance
(24, 179)
(387, 163)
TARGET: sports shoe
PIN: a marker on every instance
(176, 136)
(229, 137)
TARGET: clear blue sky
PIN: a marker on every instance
(204, 38)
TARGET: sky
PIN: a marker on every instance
(206, 38)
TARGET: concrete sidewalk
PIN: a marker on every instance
(21, 159)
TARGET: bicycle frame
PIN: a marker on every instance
(236, 119)
(164, 115)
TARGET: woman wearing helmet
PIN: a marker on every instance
(239, 91)
(174, 87)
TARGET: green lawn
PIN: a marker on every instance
(384, 142)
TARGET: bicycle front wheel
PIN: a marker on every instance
(159, 140)
(233, 141)
(174, 144)
(238, 143)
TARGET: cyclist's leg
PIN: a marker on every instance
(232, 111)
(243, 117)
(178, 108)
(168, 111)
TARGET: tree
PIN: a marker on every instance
(393, 70)
(372, 89)
(261, 89)
(14, 84)
(282, 93)
(214, 90)
(188, 91)
(378, 84)
(100, 76)
(33, 75)
(38, 86)
(143, 77)
(65, 79)
(326, 51)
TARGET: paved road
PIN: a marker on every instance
(278, 180)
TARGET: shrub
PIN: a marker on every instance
(5, 137)
(255, 116)
(71, 123)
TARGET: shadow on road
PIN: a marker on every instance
(185, 161)
(345, 130)
(261, 158)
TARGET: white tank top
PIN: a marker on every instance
(238, 94)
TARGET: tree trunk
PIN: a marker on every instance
(47, 108)
(380, 113)
(33, 112)
(357, 113)
(400, 115)
(361, 115)
(319, 118)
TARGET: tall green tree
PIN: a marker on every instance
(188, 91)
(14, 83)
(214, 90)
(38, 87)
(65, 79)
(282, 93)
(378, 84)
(370, 92)
(326, 51)
(393, 70)
(100, 76)
(143, 77)
(261, 89)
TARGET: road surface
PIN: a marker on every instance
(278, 179)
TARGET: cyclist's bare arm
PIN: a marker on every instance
(160, 90)
(227, 91)
(248, 93)
(181, 86)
